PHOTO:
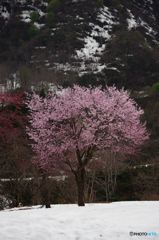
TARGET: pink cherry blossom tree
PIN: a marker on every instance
(68, 127)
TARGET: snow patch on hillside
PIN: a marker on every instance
(4, 13)
(87, 59)
(39, 25)
(149, 30)
(25, 16)
(93, 49)
(132, 23)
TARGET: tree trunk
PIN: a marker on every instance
(45, 192)
(80, 180)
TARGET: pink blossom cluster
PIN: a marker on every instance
(78, 119)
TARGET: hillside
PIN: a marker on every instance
(91, 42)
(48, 43)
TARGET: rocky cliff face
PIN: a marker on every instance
(86, 41)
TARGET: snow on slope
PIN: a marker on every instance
(131, 21)
(94, 222)
(87, 59)
(92, 48)
(138, 22)
(4, 13)
(24, 10)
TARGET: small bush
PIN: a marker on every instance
(53, 5)
(155, 87)
(51, 11)
(33, 31)
(4, 202)
(50, 19)
(34, 16)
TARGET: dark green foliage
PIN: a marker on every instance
(155, 87)
(117, 3)
(34, 16)
(152, 116)
(92, 80)
(50, 19)
(99, 2)
(136, 62)
(31, 192)
(51, 12)
(33, 31)
(134, 183)
(53, 5)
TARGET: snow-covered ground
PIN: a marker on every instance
(112, 221)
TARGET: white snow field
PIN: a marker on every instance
(112, 221)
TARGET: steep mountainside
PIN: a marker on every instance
(86, 41)
(45, 43)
